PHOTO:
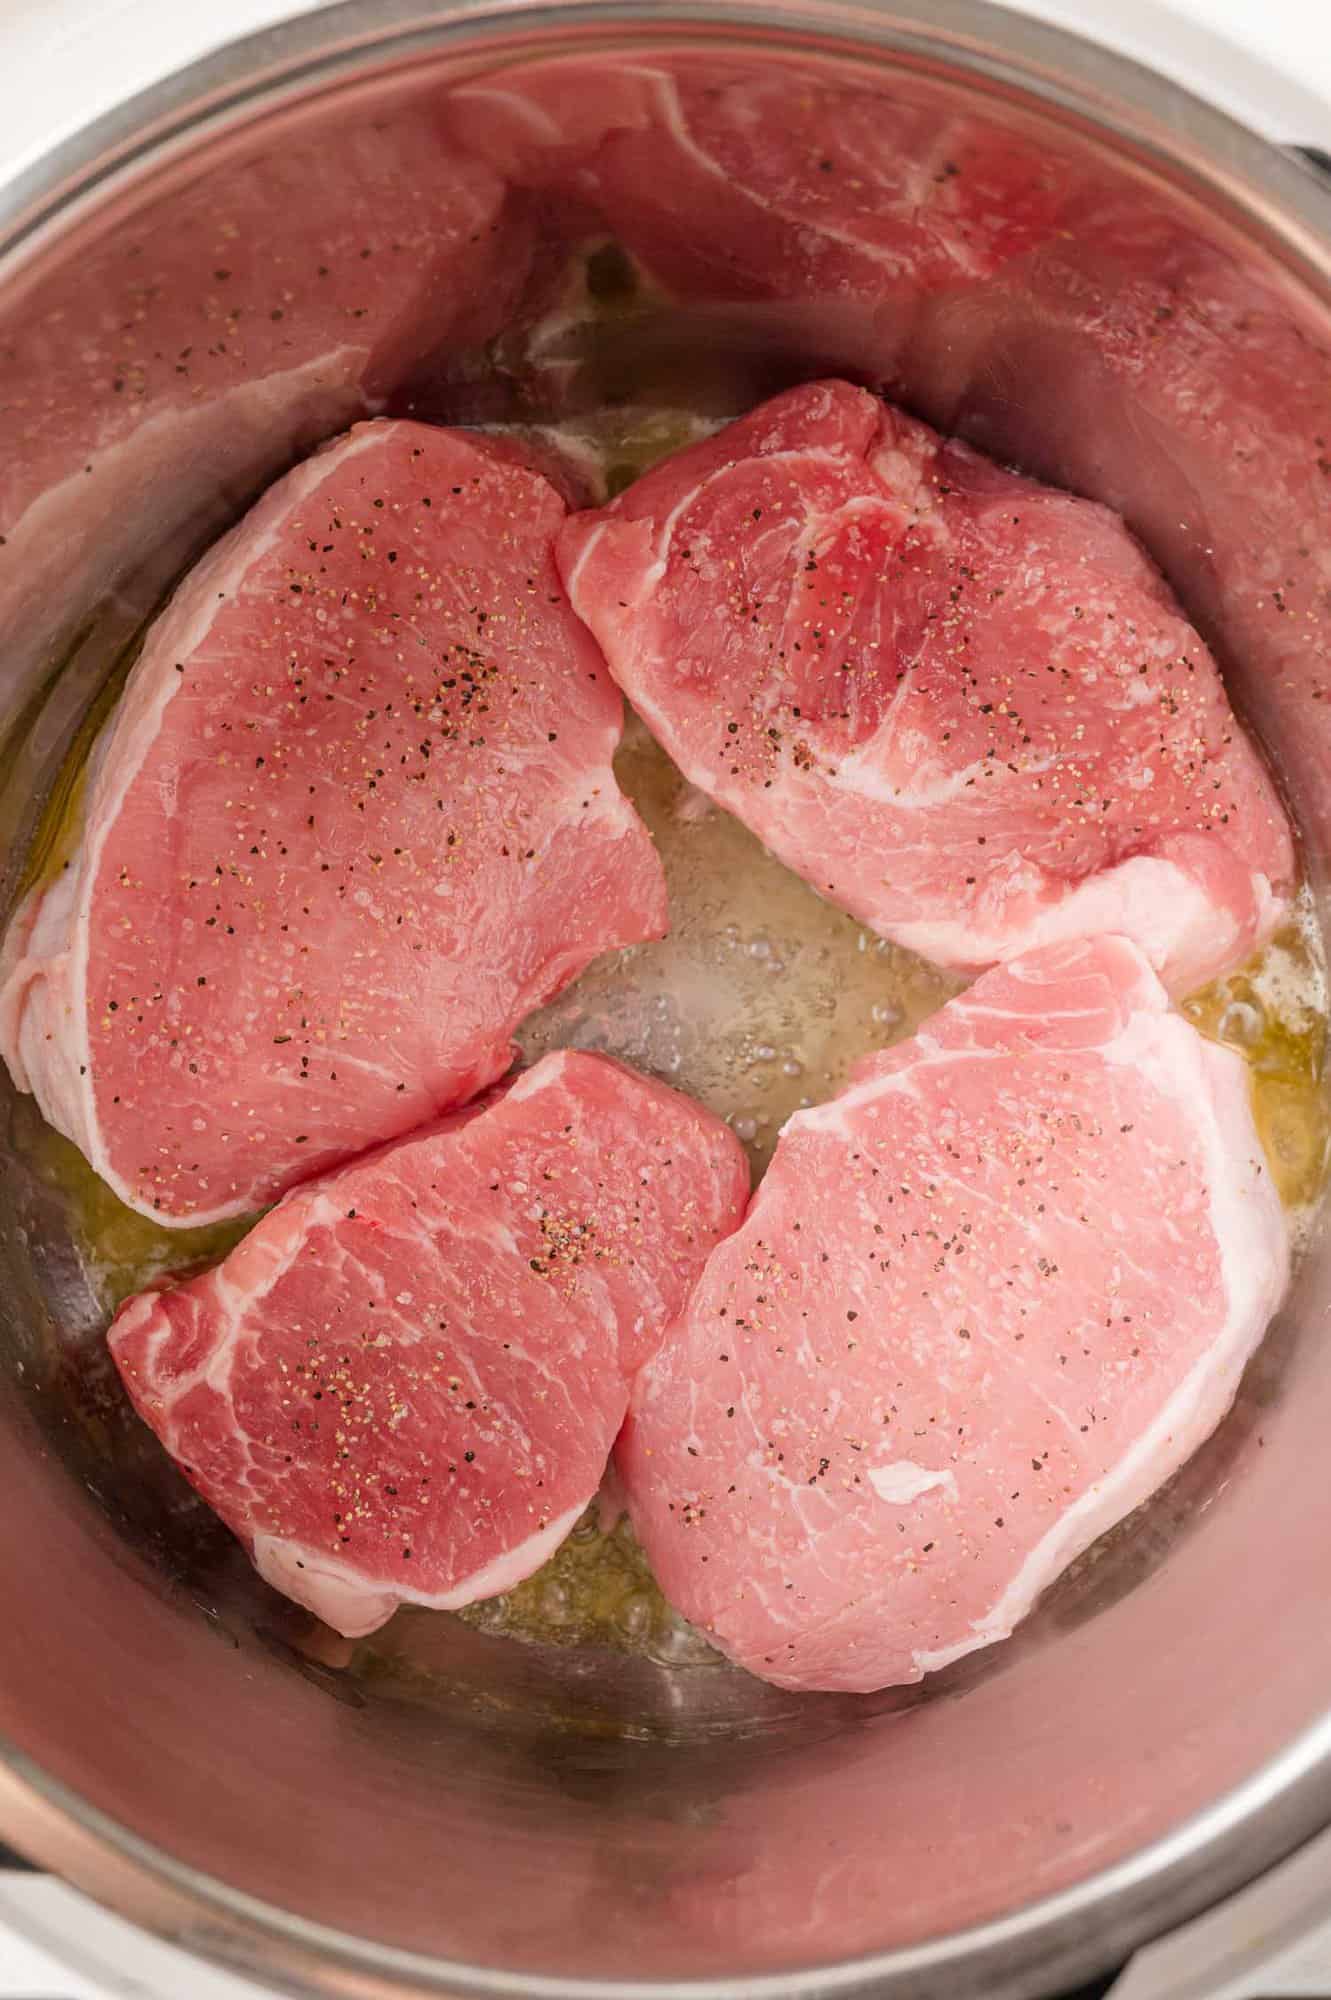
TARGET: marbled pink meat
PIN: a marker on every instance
(965, 706)
(983, 1304)
(353, 819)
(1051, 309)
(403, 1385)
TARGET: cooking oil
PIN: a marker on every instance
(613, 446)
(597, 1589)
(1273, 1010)
(121, 1251)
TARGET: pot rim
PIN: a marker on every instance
(1273, 199)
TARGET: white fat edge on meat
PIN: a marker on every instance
(137, 720)
(573, 578)
(356, 1606)
(547, 1074)
(1252, 1241)
(1148, 899)
(645, 583)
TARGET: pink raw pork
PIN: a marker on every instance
(353, 819)
(1052, 310)
(221, 330)
(965, 706)
(983, 1304)
(402, 1387)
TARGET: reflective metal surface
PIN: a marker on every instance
(1030, 243)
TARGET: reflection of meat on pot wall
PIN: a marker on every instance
(210, 338)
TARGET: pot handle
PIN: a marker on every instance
(1315, 157)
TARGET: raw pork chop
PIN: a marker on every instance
(1053, 312)
(353, 819)
(983, 1304)
(404, 1384)
(964, 706)
(221, 330)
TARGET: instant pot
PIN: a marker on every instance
(461, 1814)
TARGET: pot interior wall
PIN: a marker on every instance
(547, 1809)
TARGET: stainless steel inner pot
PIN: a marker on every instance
(477, 1816)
